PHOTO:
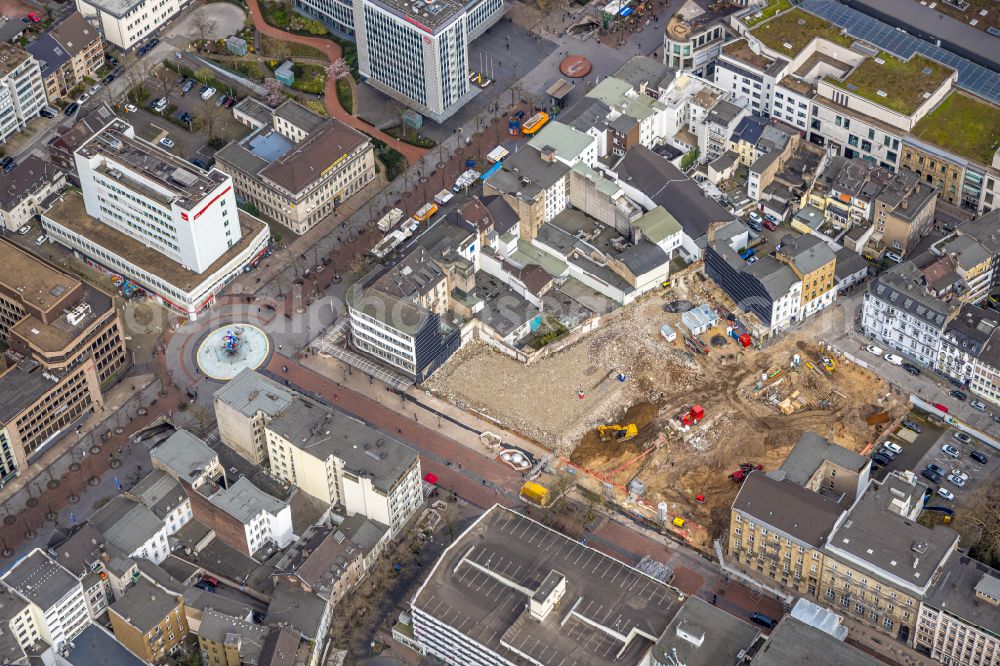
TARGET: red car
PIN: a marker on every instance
(769, 225)
(35, 18)
(940, 407)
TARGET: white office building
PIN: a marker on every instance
(22, 92)
(56, 609)
(418, 53)
(126, 23)
(156, 220)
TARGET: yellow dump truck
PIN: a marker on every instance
(535, 493)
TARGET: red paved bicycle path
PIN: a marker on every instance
(330, 100)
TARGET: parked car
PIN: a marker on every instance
(198, 162)
(231, 103)
(931, 476)
(979, 457)
(159, 104)
(872, 349)
(960, 474)
(769, 225)
(207, 94)
(954, 382)
(946, 494)
(188, 84)
(9, 164)
(894, 256)
(958, 395)
(956, 481)
(913, 425)
(34, 18)
(203, 585)
(763, 620)
(211, 580)
(950, 450)
(937, 469)
(772, 219)
(83, 98)
(895, 359)
(109, 78)
(131, 108)
(912, 369)
(46, 113)
(881, 459)
(24, 230)
(222, 100)
(752, 260)
(71, 109)
(167, 142)
(5, 161)
(978, 405)
(895, 448)
(41, 239)
(938, 406)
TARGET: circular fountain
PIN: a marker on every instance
(228, 350)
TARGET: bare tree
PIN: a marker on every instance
(202, 418)
(210, 116)
(203, 25)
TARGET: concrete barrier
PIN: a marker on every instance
(958, 424)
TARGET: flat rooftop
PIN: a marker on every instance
(145, 605)
(96, 647)
(41, 580)
(795, 642)
(788, 507)
(178, 181)
(60, 334)
(896, 84)
(35, 282)
(610, 613)
(20, 386)
(963, 124)
(694, 16)
(954, 592)
(69, 211)
(245, 501)
(428, 15)
(185, 454)
(790, 32)
(703, 635)
(11, 57)
(740, 50)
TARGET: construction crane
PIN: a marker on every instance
(621, 433)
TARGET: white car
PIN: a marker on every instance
(24, 230)
(949, 450)
(946, 494)
(83, 98)
(894, 359)
(960, 474)
(872, 349)
(41, 239)
(978, 405)
(208, 93)
(167, 143)
(131, 108)
(94, 88)
(956, 481)
(895, 448)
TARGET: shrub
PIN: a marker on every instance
(345, 96)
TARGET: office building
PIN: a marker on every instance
(338, 459)
(695, 34)
(132, 529)
(703, 635)
(156, 220)
(24, 188)
(67, 54)
(149, 621)
(127, 23)
(548, 605)
(300, 168)
(418, 53)
(242, 407)
(22, 92)
(70, 345)
(56, 610)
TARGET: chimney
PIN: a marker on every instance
(549, 154)
(903, 204)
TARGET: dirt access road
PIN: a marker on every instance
(330, 101)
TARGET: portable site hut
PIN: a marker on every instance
(700, 319)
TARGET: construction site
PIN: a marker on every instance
(659, 419)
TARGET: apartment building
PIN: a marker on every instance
(126, 23)
(986, 372)
(165, 497)
(880, 563)
(67, 54)
(225, 640)
(307, 614)
(338, 459)
(718, 127)
(242, 407)
(189, 460)
(132, 529)
(244, 516)
(900, 312)
(70, 344)
(149, 621)
(778, 529)
(534, 183)
(156, 220)
(958, 621)
(22, 92)
(55, 608)
(814, 264)
(419, 53)
(527, 622)
(821, 466)
(300, 168)
(24, 189)
(963, 340)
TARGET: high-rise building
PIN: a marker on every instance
(22, 92)
(156, 220)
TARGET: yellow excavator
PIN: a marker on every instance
(621, 433)
(828, 363)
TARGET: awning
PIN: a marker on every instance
(431, 478)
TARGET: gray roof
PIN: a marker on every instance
(20, 386)
(244, 501)
(159, 492)
(895, 548)
(749, 129)
(504, 217)
(985, 229)
(504, 310)
(604, 598)
(237, 632)
(967, 251)
(291, 605)
(811, 451)
(807, 252)
(10, 606)
(643, 257)
(49, 53)
(324, 431)
(585, 114)
(204, 601)
(28, 177)
(299, 116)
(971, 329)
(787, 507)
(250, 392)
(954, 592)
(11, 28)
(259, 111)
(79, 550)
(848, 263)
(640, 69)
(145, 605)
(280, 647)
(41, 580)
(95, 646)
(526, 175)
(363, 532)
(664, 183)
(159, 576)
(795, 642)
(990, 355)
(724, 112)
(185, 454)
(901, 287)
(126, 524)
(722, 636)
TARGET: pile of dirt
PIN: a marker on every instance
(592, 453)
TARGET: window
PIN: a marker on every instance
(887, 623)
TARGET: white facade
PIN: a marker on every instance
(884, 321)
(156, 548)
(125, 23)
(852, 135)
(65, 613)
(22, 92)
(791, 107)
(786, 310)
(179, 517)
(952, 641)
(822, 301)
(426, 68)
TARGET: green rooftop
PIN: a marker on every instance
(902, 83)
(767, 12)
(792, 31)
(964, 125)
(658, 224)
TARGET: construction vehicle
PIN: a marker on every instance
(535, 493)
(695, 345)
(828, 363)
(622, 433)
(745, 468)
(691, 416)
